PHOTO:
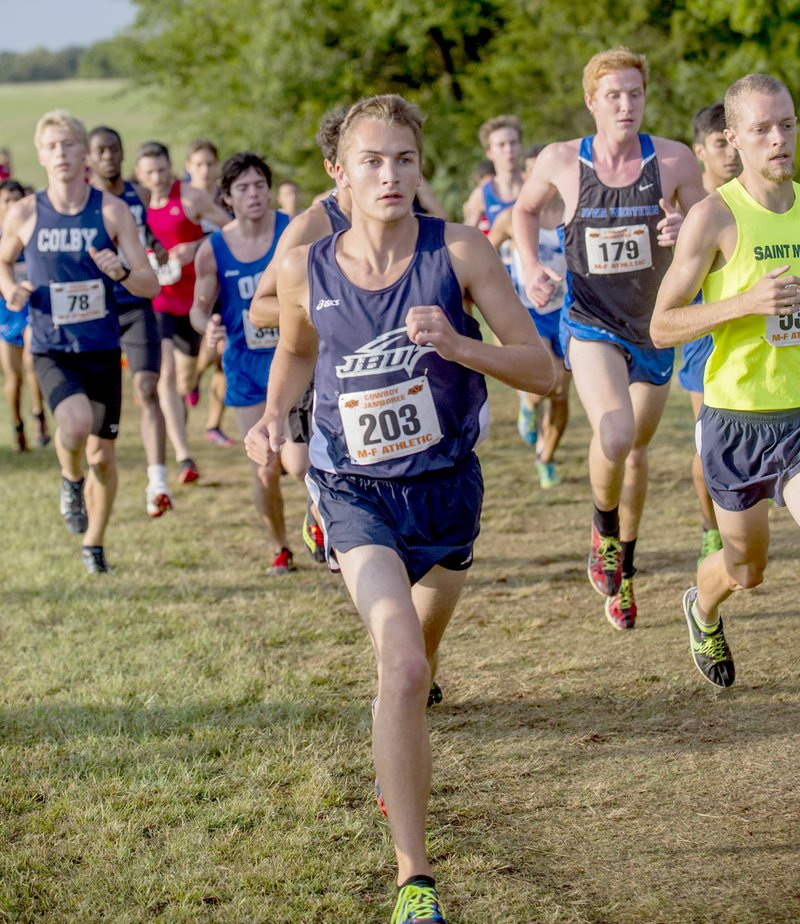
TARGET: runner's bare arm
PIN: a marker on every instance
(139, 279)
(501, 230)
(473, 207)
(697, 252)
(538, 191)
(680, 166)
(18, 224)
(308, 227)
(204, 207)
(521, 360)
(293, 364)
(206, 290)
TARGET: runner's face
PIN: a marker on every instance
(105, 156)
(766, 135)
(504, 147)
(203, 170)
(61, 154)
(250, 195)
(287, 197)
(154, 173)
(719, 157)
(381, 168)
(618, 103)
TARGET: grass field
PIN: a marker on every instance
(186, 740)
(96, 102)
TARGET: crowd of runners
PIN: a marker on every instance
(343, 337)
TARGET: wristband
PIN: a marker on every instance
(125, 275)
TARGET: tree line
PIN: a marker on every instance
(102, 59)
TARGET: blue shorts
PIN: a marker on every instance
(428, 520)
(644, 365)
(246, 374)
(693, 369)
(13, 324)
(549, 329)
(748, 456)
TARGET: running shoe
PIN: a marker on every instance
(418, 903)
(526, 424)
(605, 563)
(191, 399)
(435, 694)
(158, 501)
(621, 608)
(19, 433)
(94, 559)
(283, 563)
(218, 438)
(548, 476)
(43, 439)
(73, 506)
(378, 793)
(314, 538)
(188, 471)
(712, 542)
(710, 651)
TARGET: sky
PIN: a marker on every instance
(54, 24)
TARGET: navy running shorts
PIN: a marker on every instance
(138, 334)
(180, 331)
(748, 456)
(428, 520)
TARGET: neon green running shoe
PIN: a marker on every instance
(712, 542)
(526, 425)
(710, 651)
(621, 608)
(548, 476)
(418, 904)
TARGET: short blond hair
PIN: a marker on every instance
(496, 123)
(388, 107)
(749, 85)
(60, 118)
(615, 59)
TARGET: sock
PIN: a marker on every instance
(706, 627)
(420, 881)
(607, 521)
(628, 548)
(157, 475)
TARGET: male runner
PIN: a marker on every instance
(138, 329)
(541, 419)
(742, 245)
(15, 344)
(328, 215)
(289, 198)
(721, 163)
(501, 139)
(74, 238)
(400, 404)
(615, 186)
(202, 168)
(229, 265)
(174, 215)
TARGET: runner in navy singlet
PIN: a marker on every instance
(501, 139)
(400, 404)
(71, 234)
(616, 185)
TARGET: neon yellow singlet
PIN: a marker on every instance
(755, 364)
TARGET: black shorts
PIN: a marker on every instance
(97, 374)
(180, 331)
(139, 336)
(428, 520)
(300, 417)
(748, 456)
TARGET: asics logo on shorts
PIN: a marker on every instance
(391, 352)
(326, 303)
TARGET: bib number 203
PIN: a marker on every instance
(390, 424)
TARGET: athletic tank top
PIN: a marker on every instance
(339, 221)
(237, 284)
(137, 209)
(170, 226)
(492, 206)
(615, 263)
(70, 307)
(383, 406)
(755, 363)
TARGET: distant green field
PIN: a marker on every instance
(113, 102)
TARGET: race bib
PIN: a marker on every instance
(77, 302)
(258, 338)
(618, 250)
(168, 273)
(783, 330)
(388, 423)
